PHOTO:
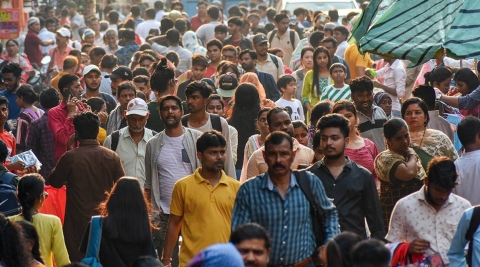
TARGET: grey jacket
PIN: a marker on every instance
(154, 146)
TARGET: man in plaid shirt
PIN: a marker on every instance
(275, 201)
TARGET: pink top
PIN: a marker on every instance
(364, 156)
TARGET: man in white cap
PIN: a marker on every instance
(92, 76)
(130, 142)
(62, 50)
(33, 42)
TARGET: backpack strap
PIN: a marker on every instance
(472, 228)
(7, 178)
(292, 39)
(216, 122)
(274, 59)
(274, 32)
(115, 140)
(316, 210)
(185, 121)
(95, 237)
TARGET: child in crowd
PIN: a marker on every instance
(221, 32)
(99, 108)
(338, 90)
(300, 132)
(288, 86)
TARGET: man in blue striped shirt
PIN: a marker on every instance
(275, 201)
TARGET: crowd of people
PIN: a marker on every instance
(246, 136)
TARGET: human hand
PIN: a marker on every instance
(410, 152)
(418, 246)
(17, 166)
(72, 105)
(377, 84)
(102, 116)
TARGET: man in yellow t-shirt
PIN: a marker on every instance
(356, 61)
(202, 203)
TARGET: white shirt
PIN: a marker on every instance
(131, 154)
(109, 51)
(394, 76)
(144, 27)
(159, 15)
(172, 164)
(184, 55)
(294, 105)
(206, 32)
(99, 41)
(77, 19)
(45, 35)
(105, 84)
(414, 218)
(341, 49)
(468, 168)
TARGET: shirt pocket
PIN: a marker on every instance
(185, 158)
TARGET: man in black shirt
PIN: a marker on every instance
(350, 185)
(198, 69)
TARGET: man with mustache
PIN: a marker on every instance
(170, 155)
(278, 119)
(371, 117)
(276, 201)
(93, 79)
(351, 186)
(254, 244)
(130, 142)
(201, 203)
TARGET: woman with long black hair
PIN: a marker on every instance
(31, 236)
(13, 245)
(126, 227)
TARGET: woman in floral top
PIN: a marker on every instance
(20, 58)
(398, 168)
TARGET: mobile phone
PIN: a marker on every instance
(71, 93)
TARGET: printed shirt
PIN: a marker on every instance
(414, 218)
(40, 141)
(125, 53)
(287, 219)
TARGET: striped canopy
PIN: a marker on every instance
(419, 30)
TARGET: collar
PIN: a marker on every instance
(474, 153)
(126, 134)
(433, 113)
(421, 197)
(89, 142)
(394, 64)
(199, 179)
(269, 184)
(348, 164)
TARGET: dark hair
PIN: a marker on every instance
(299, 11)
(25, 91)
(147, 261)
(160, 76)
(199, 59)
(169, 97)
(135, 10)
(338, 249)
(341, 29)
(316, 140)
(299, 124)
(275, 50)
(214, 42)
(213, 12)
(316, 38)
(49, 98)
(277, 138)
(420, 103)
(166, 24)
(252, 53)
(173, 57)
(76, 264)
(261, 111)
(427, 94)
(198, 86)
(140, 71)
(13, 245)
(269, 26)
(31, 235)
(147, 56)
(468, 129)
(235, 20)
(221, 28)
(372, 253)
(316, 67)
(234, 11)
(75, 52)
(334, 121)
(176, 3)
(96, 103)
(210, 139)
(103, 25)
(229, 65)
(320, 109)
(109, 61)
(113, 17)
(125, 212)
(85, 47)
(279, 17)
(273, 111)
(344, 104)
(3, 151)
(126, 85)
(361, 84)
(442, 172)
(173, 36)
(97, 51)
(181, 25)
(467, 76)
(215, 97)
(13, 68)
(230, 48)
(333, 14)
(337, 65)
(250, 231)
(86, 125)
(29, 189)
(271, 12)
(305, 50)
(392, 126)
(284, 80)
(438, 74)
(13, 41)
(150, 13)
(65, 82)
(141, 79)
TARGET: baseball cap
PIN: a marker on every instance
(121, 72)
(329, 26)
(64, 32)
(227, 84)
(32, 20)
(89, 68)
(88, 32)
(259, 38)
(137, 106)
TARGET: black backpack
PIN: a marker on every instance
(215, 119)
(472, 228)
(9, 204)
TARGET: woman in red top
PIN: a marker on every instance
(20, 58)
(360, 150)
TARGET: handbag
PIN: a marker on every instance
(434, 260)
(94, 238)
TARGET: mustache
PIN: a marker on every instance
(278, 165)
